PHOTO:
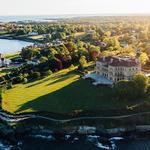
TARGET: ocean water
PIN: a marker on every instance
(12, 46)
(25, 18)
(91, 142)
(36, 18)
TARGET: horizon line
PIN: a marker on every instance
(90, 14)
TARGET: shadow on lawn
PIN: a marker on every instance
(75, 96)
(58, 99)
(61, 76)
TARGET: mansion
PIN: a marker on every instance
(117, 68)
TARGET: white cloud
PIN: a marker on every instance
(51, 7)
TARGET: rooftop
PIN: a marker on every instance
(120, 61)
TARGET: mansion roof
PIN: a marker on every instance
(120, 61)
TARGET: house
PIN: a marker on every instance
(4, 62)
(33, 62)
(57, 42)
(90, 31)
(33, 33)
(118, 68)
(124, 44)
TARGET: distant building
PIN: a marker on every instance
(4, 62)
(124, 44)
(33, 62)
(90, 31)
(118, 68)
(57, 42)
(33, 33)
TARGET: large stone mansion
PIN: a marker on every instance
(117, 68)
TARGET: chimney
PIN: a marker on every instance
(104, 58)
(111, 60)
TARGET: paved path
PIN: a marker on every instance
(16, 118)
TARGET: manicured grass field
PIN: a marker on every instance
(61, 92)
(36, 37)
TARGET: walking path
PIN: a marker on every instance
(16, 118)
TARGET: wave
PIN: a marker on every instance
(99, 142)
(5, 147)
(108, 144)
(47, 137)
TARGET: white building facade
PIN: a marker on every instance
(4, 62)
(117, 68)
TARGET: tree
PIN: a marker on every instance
(62, 35)
(71, 46)
(132, 90)
(143, 58)
(48, 38)
(108, 33)
(21, 32)
(82, 61)
(29, 52)
(43, 59)
(125, 90)
(35, 75)
(94, 51)
(141, 82)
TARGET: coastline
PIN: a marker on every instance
(53, 132)
(24, 123)
(19, 38)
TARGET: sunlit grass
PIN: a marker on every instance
(36, 37)
(64, 92)
(23, 93)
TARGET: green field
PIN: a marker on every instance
(63, 91)
(11, 56)
(36, 37)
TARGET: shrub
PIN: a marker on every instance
(25, 80)
(18, 79)
(47, 73)
(9, 85)
(35, 75)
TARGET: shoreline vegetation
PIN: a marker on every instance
(12, 37)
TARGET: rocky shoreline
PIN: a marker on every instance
(13, 135)
(12, 132)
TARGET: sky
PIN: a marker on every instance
(58, 7)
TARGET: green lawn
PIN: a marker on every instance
(36, 37)
(62, 92)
